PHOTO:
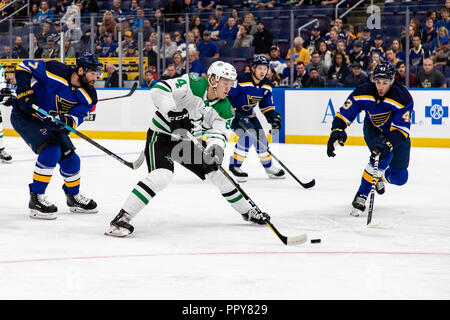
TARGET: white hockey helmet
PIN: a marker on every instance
(221, 69)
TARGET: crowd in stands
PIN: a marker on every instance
(337, 55)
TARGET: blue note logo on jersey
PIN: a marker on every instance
(436, 111)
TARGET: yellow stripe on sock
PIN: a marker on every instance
(72, 183)
(41, 178)
(368, 177)
(265, 158)
(238, 157)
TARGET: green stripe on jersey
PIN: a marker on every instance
(159, 125)
(161, 87)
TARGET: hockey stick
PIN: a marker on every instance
(372, 189)
(304, 185)
(133, 89)
(286, 240)
(133, 165)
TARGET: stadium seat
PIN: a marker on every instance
(239, 64)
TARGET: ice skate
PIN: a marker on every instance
(240, 175)
(41, 208)
(254, 216)
(119, 226)
(359, 204)
(80, 204)
(275, 173)
(5, 157)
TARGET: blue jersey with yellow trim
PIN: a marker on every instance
(248, 94)
(388, 113)
(54, 91)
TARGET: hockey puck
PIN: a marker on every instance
(315, 240)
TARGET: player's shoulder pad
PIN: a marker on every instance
(224, 109)
(400, 94)
(365, 89)
(244, 78)
(59, 69)
(266, 83)
(88, 96)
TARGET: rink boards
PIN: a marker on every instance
(307, 116)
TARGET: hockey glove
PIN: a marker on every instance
(276, 122)
(338, 135)
(25, 100)
(213, 158)
(382, 147)
(51, 124)
(7, 98)
(179, 120)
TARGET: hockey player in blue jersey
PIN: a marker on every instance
(253, 89)
(67, 94)
(388, 108)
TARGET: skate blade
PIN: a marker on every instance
(380, 225)
(80, 210)
(7, 161)
(356, 212)
(271, 176)
(117, 232)
(35, 214)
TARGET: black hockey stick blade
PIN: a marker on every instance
(132, 90)
(289, 241)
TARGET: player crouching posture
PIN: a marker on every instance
(67, 94)
(388, 107)
(199, 106)
(253, 89)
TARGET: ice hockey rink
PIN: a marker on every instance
(188, 243)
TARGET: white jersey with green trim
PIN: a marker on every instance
(2, 77)
(211, 118)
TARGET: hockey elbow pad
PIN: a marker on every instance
(25, 101)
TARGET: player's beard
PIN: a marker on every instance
(85, 83)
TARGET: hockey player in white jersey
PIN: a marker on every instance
(5, 95)
(200, 106)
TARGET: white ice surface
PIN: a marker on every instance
(189, 244)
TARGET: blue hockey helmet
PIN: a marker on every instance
(383, 70)
(257, 60)
(89, 61)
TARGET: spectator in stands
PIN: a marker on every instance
(34, 11)
(112, 78)
(131, 13)
(300, 76)
(417, 53)
(158, 18)
(249, 20)
(131, 51)
(37, 48)
(429, 77)
(51, 51)
(316, 62)
(69, 50)
(442, 32)
(207, 48)
(6, 52)
(442, 56)
(357, 54)
(338, 71)
(350, 34)
(400, 75)
(177, 38)
(325, 55)
(195, 65)
(429, 32)
(44, 14)
(57, 27)
(300, 53)
(332, 39)
(188, 7)
(366, 40)
(341, 48)
(315, 81)
(197, 35)
(276, 62)
(229, 31)
(214, 28)
(74, 33)
(148, 81)
(235, 15)
(262, 40)
(313, 42)
(153, 39)
(170, 72)
(356, 77)
(243, 37)
(377, 46)
(109, 24)
(397, 47)
(445, 19)
(150, 54)
(138, 24)
(19, 52)
(178, 62)
(196, 22)
(182, 47)
(372, 62)
(42, 36)
(417, 26)
(148, 29)
(431, 13)
(247, 69)
(127, 41)
(338, 25)
(391, 58)
(172, 11)
(107, 48)
(219, 14)
(328, 2)
(205, 4)
(169, 47)
(117, 12)
(411, 35)
(274, 77)
(265, 3)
